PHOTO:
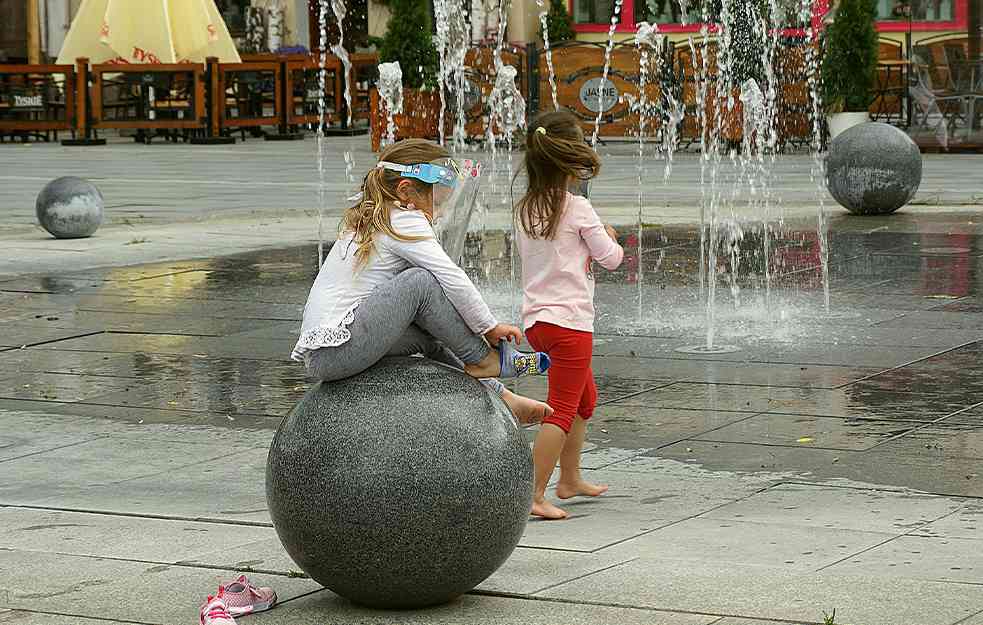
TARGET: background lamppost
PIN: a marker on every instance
(975, 28)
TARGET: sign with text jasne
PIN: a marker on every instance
(27, 101)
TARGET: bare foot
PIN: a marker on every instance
(548, 511)
(489, 367)
(526, 410)
(582, 488)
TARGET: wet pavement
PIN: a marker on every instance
(832, 461)
(173, 202)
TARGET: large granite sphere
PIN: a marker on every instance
(402, 487)
(873, 169)
(70, 208)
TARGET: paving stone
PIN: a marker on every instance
(937, 319)
(151, 366)
(53, 361)
(62, 387)
(119, 537)
(92, 587)
(870, 510)
(775, 593)
(802, 430)
(35, 433)
(138, 416)
(325, 608)
(20, 334)
(736, 620)
(802, 376)
(629, 427)
(955, 438)
(967, 522)
(208, 395)
(641, 501)
(230, 487)
(177, 344)
(81, 322)
(25, 617)
(855, 400)
(919, 557)
(792, 462)
(105, 463)
(771, 543)
(976, 619)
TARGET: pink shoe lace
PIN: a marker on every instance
(242, 597)
(214, 612)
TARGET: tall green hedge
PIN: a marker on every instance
(850, 57)
(558, 23)
(408, 40)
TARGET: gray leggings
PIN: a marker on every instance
(408, 315)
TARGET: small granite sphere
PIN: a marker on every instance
(402, 487)
(70, 208)
(873, 169)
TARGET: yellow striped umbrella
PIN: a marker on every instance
(148, 31)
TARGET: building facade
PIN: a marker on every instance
(897, 19)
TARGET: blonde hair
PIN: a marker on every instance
(371, 215)
(555, 152)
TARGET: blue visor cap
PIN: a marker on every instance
(433, 174)
(427, 172)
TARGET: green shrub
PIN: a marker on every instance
(408, 40)
(558, 23)
(850, 57)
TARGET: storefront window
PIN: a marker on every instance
(673, 11)
(792, 15)
(916, 10)
(593, 11)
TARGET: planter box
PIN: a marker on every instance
(419, 119)
(840, 122)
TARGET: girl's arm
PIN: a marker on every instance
(602, 247)
(428, 254)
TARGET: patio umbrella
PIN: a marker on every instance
(148, 31)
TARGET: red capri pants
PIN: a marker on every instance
(572, 391)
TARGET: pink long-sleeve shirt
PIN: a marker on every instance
(557, 281)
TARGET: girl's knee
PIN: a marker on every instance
(564, 422)
(418, 277)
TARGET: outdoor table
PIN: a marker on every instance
(887, 85)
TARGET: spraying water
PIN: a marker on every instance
(544, 22)
(647, 38)
(452, 46)
(607, 68)
(321, 114)
(391, 92)
(817, 172)
(338, 49)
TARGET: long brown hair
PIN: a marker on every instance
(555, 152)
(371, 215)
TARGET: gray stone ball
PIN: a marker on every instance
(70, 208)
(873, 169)
(401, 487)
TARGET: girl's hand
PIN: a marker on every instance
(503, 331)
(611, 233)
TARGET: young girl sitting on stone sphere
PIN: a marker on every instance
(387, 288)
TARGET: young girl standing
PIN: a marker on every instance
(559, 235)
(387, 288)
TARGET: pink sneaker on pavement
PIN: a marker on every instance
(242, 597)
(214, 612)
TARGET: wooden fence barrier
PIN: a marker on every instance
(36, 99)
(149, 97)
